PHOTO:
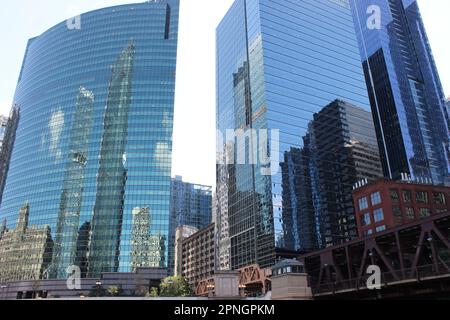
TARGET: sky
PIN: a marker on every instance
(194, 123)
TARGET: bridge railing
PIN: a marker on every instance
(387, 278)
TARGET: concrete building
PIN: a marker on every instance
(290, 281)
(25, 252)
(385, 204)
(198, 256)
(132, 284)
(181, 233)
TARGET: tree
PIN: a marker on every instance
(153, 293)
(175, 287)
(114, 291)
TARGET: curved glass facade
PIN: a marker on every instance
(92, 158)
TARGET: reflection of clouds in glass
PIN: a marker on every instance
(55, 126)
(162, 154)
(167, 121)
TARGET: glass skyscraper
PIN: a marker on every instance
(92, 157)
(405, 91)
(278, 63)
(190, 205)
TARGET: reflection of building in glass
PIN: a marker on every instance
(298, 213)
(405, 92)
(25, 252)
(7, 136)
(278, 63)
(220, 216)
(65, 246)
(190, 205)
(181, 233)
(82, 253)
(132, 123)
(339, 150)
(112, 175)
(147, 250)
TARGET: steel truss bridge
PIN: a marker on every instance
(252, 281)
(414, 260)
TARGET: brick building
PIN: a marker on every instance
(198, 256)
(385, 203)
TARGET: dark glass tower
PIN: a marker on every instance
(405, 92)
(94, 144)
(278, 63)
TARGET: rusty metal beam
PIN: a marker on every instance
(349, 262)
(441, 236)
(418, 252)
(434, 254)
(363, 264)
(400, 252)
(386, 261)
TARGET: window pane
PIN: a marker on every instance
(375, 198)
(378, 215)
(363, 203)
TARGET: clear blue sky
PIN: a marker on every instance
(194, 136)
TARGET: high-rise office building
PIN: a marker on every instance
(408, 103)
(8, 136)
(340, 149)
(190, 205)
(96, 95)
(278, 63)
